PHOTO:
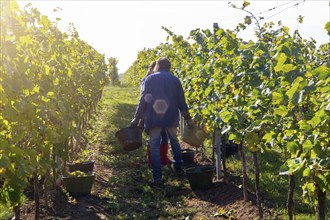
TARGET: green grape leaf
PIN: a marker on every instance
(281, 111)
(307, 145)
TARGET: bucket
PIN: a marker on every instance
(230, 149)
(188, 156)
(78, 185)
(130, 138)
(85, 167)
(194, 135)
(200, 177)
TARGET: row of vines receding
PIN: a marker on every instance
(50, 82)
(272, 94)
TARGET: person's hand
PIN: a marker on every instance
(134, 122)
(190, 123)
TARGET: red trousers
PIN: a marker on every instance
(163, 154)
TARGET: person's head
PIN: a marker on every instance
(151, 68)
(163, 64)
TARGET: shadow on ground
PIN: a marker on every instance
(120, 118)
(123, 115)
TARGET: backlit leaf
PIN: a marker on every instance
(281, 111)
(288, 67)
(277, 98)
(303, 125)
(307, 145)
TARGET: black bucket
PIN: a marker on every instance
(130, 138)
(230, 150)
(188, 156)
(200, 177)
(79, 185)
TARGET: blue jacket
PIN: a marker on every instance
(161, 99)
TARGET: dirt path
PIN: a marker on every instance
(122, 187)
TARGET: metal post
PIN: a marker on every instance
(218, 153)
(216, 132)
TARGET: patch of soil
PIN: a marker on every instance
(224, 200)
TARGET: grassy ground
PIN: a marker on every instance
(273, 186)
(129, 194)
(5, 212)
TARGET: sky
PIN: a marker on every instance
(123, 28)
